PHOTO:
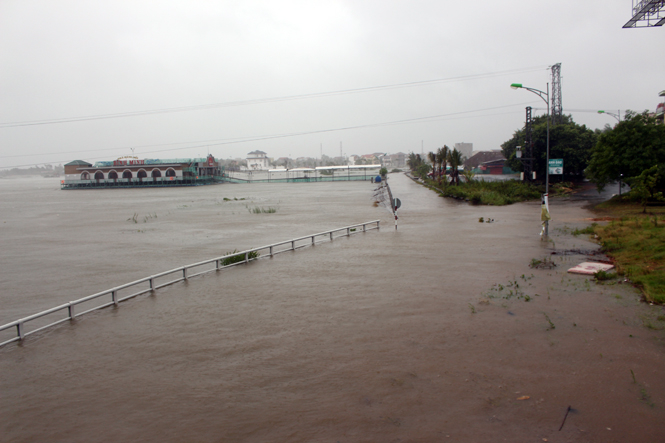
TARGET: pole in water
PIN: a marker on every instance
(564, 418)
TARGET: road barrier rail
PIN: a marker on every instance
(183, 273)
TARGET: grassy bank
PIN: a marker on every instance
(636, 242)
(495, 193)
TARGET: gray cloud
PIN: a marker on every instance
(78, 58)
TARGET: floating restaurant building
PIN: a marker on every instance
(129, 172)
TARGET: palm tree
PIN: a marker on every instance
(413, 161)
(431, 156)
(442, 157)
(455, 160)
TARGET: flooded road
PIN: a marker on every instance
(434, 332)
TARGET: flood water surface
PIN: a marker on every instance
(439, 331)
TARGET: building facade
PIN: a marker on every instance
(132, 172)
(258, 161)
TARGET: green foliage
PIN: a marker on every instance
(634, 145)
(383, 172)
(260, 210)
(423, 170)
(568, 140)
(442, 161)
(497, 193)
(545, 263)
(455, 160)
(417, 165)
(232, 257)
(468, 175)
(604, 275)
(638, 249)
(643, 187)
(587, 231)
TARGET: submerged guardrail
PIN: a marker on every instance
(153, 282)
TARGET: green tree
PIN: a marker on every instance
(633, 146)
(431, 156)
(643, 187)
(418, 165)
(442, 160)
(455, 159)
(568, 140)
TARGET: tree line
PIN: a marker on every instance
(633, 151)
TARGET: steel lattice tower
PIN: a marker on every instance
(556, 107)
(647, 13)
(527, 161)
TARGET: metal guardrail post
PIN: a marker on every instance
(377, 224)
(247, 257)
(293, 245)
(184, 273)
(71, 311)
(271, 251)
(19, 330)
(217, 264)
(364, 230)
(114, 297)
(348, 232)
(330, 235)
(152, 284)
(312, 239)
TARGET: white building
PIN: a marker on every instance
(465, 148)
(257, 161)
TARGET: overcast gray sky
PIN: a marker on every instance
(76, 59)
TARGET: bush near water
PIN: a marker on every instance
(636, 242)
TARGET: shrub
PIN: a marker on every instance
(232, 257)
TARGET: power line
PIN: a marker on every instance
(264, 100)
(427, 119)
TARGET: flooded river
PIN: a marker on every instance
(439, 331)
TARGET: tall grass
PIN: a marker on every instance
(499, 193)
(638, 247)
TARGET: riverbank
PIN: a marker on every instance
(635, 239)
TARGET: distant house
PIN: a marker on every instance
(476, 159)
(258, 160)
(488, 162)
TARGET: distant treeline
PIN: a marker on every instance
(35, 170)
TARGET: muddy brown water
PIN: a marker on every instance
(422, 334)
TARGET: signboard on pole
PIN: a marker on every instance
(556, 166)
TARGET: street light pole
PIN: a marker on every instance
(617, 116)
(545, 96)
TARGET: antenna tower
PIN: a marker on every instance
(527, 162)
(556, 107)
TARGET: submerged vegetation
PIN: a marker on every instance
(480, 192)
(261, 210)
(233, 257)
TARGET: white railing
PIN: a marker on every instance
(154, 282)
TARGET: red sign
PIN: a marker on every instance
(211, 161)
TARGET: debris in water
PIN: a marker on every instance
(590, 268)
(564, 418)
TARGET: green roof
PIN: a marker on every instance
(78, 163)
